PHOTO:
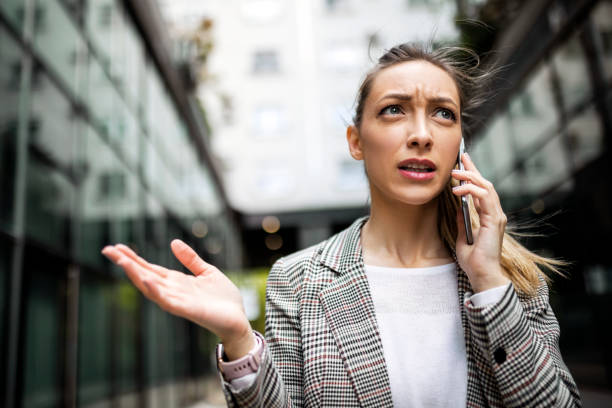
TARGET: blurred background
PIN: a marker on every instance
(222, 123)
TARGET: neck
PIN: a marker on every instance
(403, 235)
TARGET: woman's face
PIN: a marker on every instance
(410, 132)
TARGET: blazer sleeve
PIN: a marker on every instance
(279, 378)
(520, 341)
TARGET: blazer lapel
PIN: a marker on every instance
(474, 388)
(349, 311)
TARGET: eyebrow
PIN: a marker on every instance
(408, 97)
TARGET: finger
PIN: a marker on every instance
(472, 177)
(111, 253)
(140, 277)
(473, 189)
(189, 258)
(160, 270)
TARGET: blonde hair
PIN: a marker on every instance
(522, 266)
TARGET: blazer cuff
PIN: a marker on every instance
(494, 326)
(486, 297)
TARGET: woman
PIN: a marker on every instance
(398, 309)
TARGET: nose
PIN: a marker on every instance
(420, 134)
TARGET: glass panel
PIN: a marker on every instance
(94, 370)
(99, 18)
(585, 138)
(43, 332)
(101, 97)
(126, 134)
(500, 141)
(480, 152)
(10, 72)
(50, 176)
(134, 67)
(546, 167)
(532, 110)
(14, 11)
(57, 40)
(127, 341)
(205, 195)
(93, 212)
(573, 73)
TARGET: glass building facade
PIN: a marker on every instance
(96, 148)
(545, 145)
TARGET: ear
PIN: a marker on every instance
(354, 142)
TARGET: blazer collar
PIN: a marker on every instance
(343, 250)
(349, 311)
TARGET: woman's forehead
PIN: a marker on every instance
(412, 77)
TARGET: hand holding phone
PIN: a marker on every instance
(464, 200)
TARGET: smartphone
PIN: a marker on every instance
(464, 200)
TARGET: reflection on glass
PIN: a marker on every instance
(95, 306)
(58, 41)
(10, 71)
(532, 110)
(43, 341)
(585, 138)
(573, 73)
(50, 177)
(547, 167)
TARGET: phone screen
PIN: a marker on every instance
(464, 200)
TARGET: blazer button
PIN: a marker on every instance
(499, 355)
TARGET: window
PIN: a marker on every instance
(265, 62)
(269, 121)
(573, 73)
(111, 186)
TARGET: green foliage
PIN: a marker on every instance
(255, 279)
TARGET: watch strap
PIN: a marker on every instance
(245, 365)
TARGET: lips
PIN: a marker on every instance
(417, 165)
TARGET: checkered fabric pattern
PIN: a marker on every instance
(324, 348)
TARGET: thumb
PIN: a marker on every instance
(189, 258)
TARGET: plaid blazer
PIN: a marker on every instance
(324, 348)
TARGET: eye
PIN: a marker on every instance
(391, 110)
(446, 114)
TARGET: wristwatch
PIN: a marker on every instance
(244, 365)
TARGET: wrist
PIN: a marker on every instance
(489, 282)
(240, 345)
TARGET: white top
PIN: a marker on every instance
(418, 315)
(419, 318)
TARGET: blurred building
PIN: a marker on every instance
(99, 143)
(543, 139)
(280, 88)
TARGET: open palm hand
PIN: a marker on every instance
(208, 298)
